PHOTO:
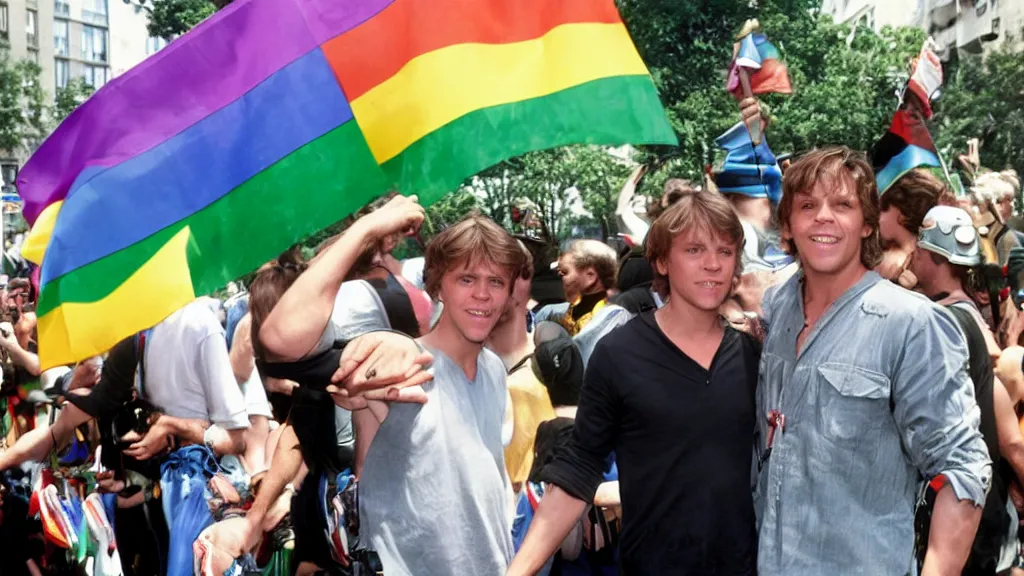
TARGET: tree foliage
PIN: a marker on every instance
(70, 97)
(171, 18)
(984, 98)
(23, 109)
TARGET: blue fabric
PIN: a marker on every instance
(183, 479)
(748, 170)
(236, 308)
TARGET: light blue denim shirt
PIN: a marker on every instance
(878, 400)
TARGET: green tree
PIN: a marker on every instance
(171, 18)
(70, 97)
(23, 110)
(984, 98)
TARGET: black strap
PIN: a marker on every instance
(522, 362)
(397, 305)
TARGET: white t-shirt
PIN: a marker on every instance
(188, 371)
(357, 310)
(256, 403)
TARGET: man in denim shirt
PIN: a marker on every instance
(863, 393)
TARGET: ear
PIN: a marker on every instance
(866, 231)
(661, 266)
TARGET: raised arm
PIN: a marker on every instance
(298, 320)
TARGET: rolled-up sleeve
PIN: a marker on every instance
(935, 408)
(578, 467)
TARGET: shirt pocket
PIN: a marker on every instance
(857, 399)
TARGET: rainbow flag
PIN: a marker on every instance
(276, 118)
(769, 75)
(907, 145)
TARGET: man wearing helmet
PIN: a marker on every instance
(944, 262)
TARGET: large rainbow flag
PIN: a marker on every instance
(277, 118)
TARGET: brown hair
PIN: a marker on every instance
(706, 213)
(271, 282)
(527, 272)
(597, 255)
(917, 192)
(473, 239)
(836, 165)
(676, 188)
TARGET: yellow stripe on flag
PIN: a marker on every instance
(77, 330)
(34, 247)
(435, 88)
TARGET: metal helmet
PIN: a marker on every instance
(949, 232)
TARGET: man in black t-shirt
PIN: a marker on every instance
(672, 394)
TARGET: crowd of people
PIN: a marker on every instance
(785, 371)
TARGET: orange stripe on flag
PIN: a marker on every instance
(376, 50)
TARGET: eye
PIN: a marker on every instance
(466, 279)
(725, 251)
(806, 206)
(497, 283)
(693, 250)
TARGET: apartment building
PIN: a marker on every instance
(95, 40)
(970, 26)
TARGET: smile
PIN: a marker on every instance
(709, 284)
(824, 239)
(479, 313)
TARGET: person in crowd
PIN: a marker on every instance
(904, 206)
(357, 307)
(863, 389)
(944, 262)
(454, 439)
(529, 402)
(672, 394)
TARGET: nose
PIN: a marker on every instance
(824, 213)
(480, 291)
(712, 261)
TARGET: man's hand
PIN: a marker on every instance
(750, 108)
(7, 338)
(105, 482)
(381, 366)
(218, 545)
(85, 375)
(157, 440)
(401, 215)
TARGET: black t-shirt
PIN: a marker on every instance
(116, 385)
(994, 518)
(683, 439)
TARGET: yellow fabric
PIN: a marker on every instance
(531, 406)
(574, 327)
(38, 237)
(438, 87)
(164, 278)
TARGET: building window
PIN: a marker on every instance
(3, 21)
(31, 28)
(95, 12)
(95, 76)
(60, 38)
(867, 18)
(94, 44)
(33, 55)
(10, 173)
(61, 9)
(61, 71)
(154, 45)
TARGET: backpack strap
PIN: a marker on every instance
(140, 361)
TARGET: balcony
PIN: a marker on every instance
(61, 10)
(90, 17)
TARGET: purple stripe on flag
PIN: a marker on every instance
(196, 75)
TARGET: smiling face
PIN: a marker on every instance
(474, 297)
(827, 227)
(700, 269)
